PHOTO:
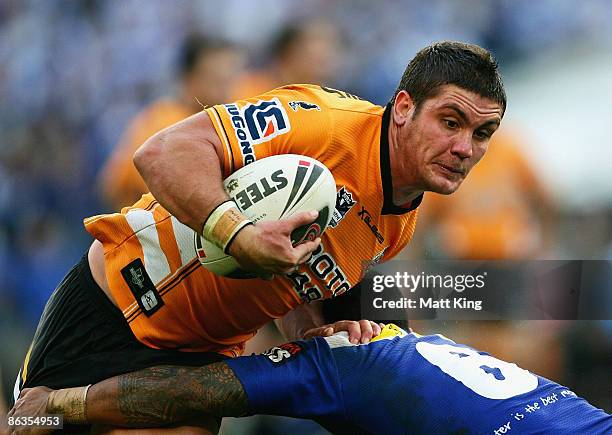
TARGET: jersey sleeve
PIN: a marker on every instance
(297, 379)
(289, 120)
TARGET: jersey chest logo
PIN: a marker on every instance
(344, 203)
(329, 276)
(257, 123)
(366, 217)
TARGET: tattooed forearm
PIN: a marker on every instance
(167, 394)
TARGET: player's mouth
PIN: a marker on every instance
(453, 171)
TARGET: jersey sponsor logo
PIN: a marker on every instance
(141, 286)
(240, 129)
(344, 202)
(295, 105)
(284, 352)
(257, 123)
(324, 267)
(367, 218)
(266, 120)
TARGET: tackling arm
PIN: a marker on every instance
(153, 397)
(166, 394)
(294, 379)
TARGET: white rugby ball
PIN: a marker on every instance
(271, 189)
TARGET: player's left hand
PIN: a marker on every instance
(32, 402)
(359, 332)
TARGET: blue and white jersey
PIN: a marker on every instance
(406, 383)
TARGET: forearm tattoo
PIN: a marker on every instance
(172, 394)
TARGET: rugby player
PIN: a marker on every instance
(398, 383)
(140, 297)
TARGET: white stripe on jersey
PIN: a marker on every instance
(142, 223)
(184, 240)
(17, 389)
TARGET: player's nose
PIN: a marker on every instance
(462, 147)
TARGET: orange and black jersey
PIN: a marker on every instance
(182, 305)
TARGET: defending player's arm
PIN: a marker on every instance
(152, 397)
(294, 379)
(167, 394)
(182, 167)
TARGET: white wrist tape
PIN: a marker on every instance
(71, 403)
(223, 224)
(214, 218)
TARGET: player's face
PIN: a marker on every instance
(441, 142)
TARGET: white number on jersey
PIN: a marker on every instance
(486, 376)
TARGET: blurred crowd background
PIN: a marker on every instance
(83, 83)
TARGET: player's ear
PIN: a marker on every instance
(403, 108)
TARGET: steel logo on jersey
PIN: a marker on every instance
(344, 202)
(257, 123)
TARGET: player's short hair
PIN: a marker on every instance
(197, 46)
(467, 66)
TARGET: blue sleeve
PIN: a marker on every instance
(297, 379)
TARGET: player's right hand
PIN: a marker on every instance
(265, 248)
